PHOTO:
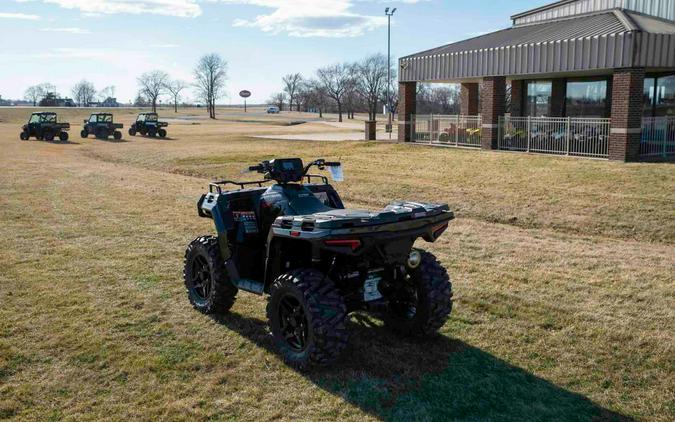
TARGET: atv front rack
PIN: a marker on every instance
(217, 186)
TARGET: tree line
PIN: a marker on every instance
(358, 87)
(210, 78)
(341, 88)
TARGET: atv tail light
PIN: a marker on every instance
(354, 244)
(438, 230)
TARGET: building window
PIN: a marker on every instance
(659, 96)
(586, 98)
(648, 97)
(665, 96)
(538, 98)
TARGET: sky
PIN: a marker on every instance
(112, 42)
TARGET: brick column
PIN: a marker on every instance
(493, 105)
(558, 95)
(407, 96)
(627, 87)
(517, 90)
(468, 101)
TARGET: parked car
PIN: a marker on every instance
(273, 110)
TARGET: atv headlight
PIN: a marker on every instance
(414, 259)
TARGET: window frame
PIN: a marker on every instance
(608, 93)
(526, 97)
(655, 77)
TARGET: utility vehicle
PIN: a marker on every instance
(148, 124)
(44, 125)
(102, 126)
(317, 261)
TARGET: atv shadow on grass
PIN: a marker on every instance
(112, 141)
(157, 138)
(436, 379)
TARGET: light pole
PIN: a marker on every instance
(390, 116)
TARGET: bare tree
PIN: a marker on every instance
(393, 92)
(83, 92)
(140, 101)
(48, 88)
(437, 99)
(335, 80)
(317, 96)
(352, 99)
(278, 99)
(371, 84)
(175, 88)
(292, 83)
(210, 78)
(152, 86)
(303, 96)
(107, 92)
(446, 99)
(36, 93)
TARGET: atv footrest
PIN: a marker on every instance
(251, 286)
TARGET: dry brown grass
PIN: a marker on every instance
(563, 275)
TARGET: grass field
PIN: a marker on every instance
(563, 272)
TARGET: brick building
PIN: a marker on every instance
(578, 77)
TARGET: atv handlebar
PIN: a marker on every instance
(321, 164)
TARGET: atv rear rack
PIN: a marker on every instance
(217, 186)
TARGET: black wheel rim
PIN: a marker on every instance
(293, 323)
(201, 279)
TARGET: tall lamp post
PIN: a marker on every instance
(389, 113)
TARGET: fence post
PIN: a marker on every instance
(457, 130)
(431, 128)
(569, 126)
(664, 152)
(500, 125)
(529, 132)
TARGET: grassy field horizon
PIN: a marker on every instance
(562, 268)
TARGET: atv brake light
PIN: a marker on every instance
(438, 230)
(354, 244)
(295, 234)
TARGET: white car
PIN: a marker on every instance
(273, 110)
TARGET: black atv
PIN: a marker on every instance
(102, 126)
(148, 124)
(316, 260)
(44, 125)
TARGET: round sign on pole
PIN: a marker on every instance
(244, 94)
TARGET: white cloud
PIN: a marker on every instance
(298, 18)
(310, 18)
(72, 30)
(179, 8)
(5, 15)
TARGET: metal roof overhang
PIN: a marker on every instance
(591, 44)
